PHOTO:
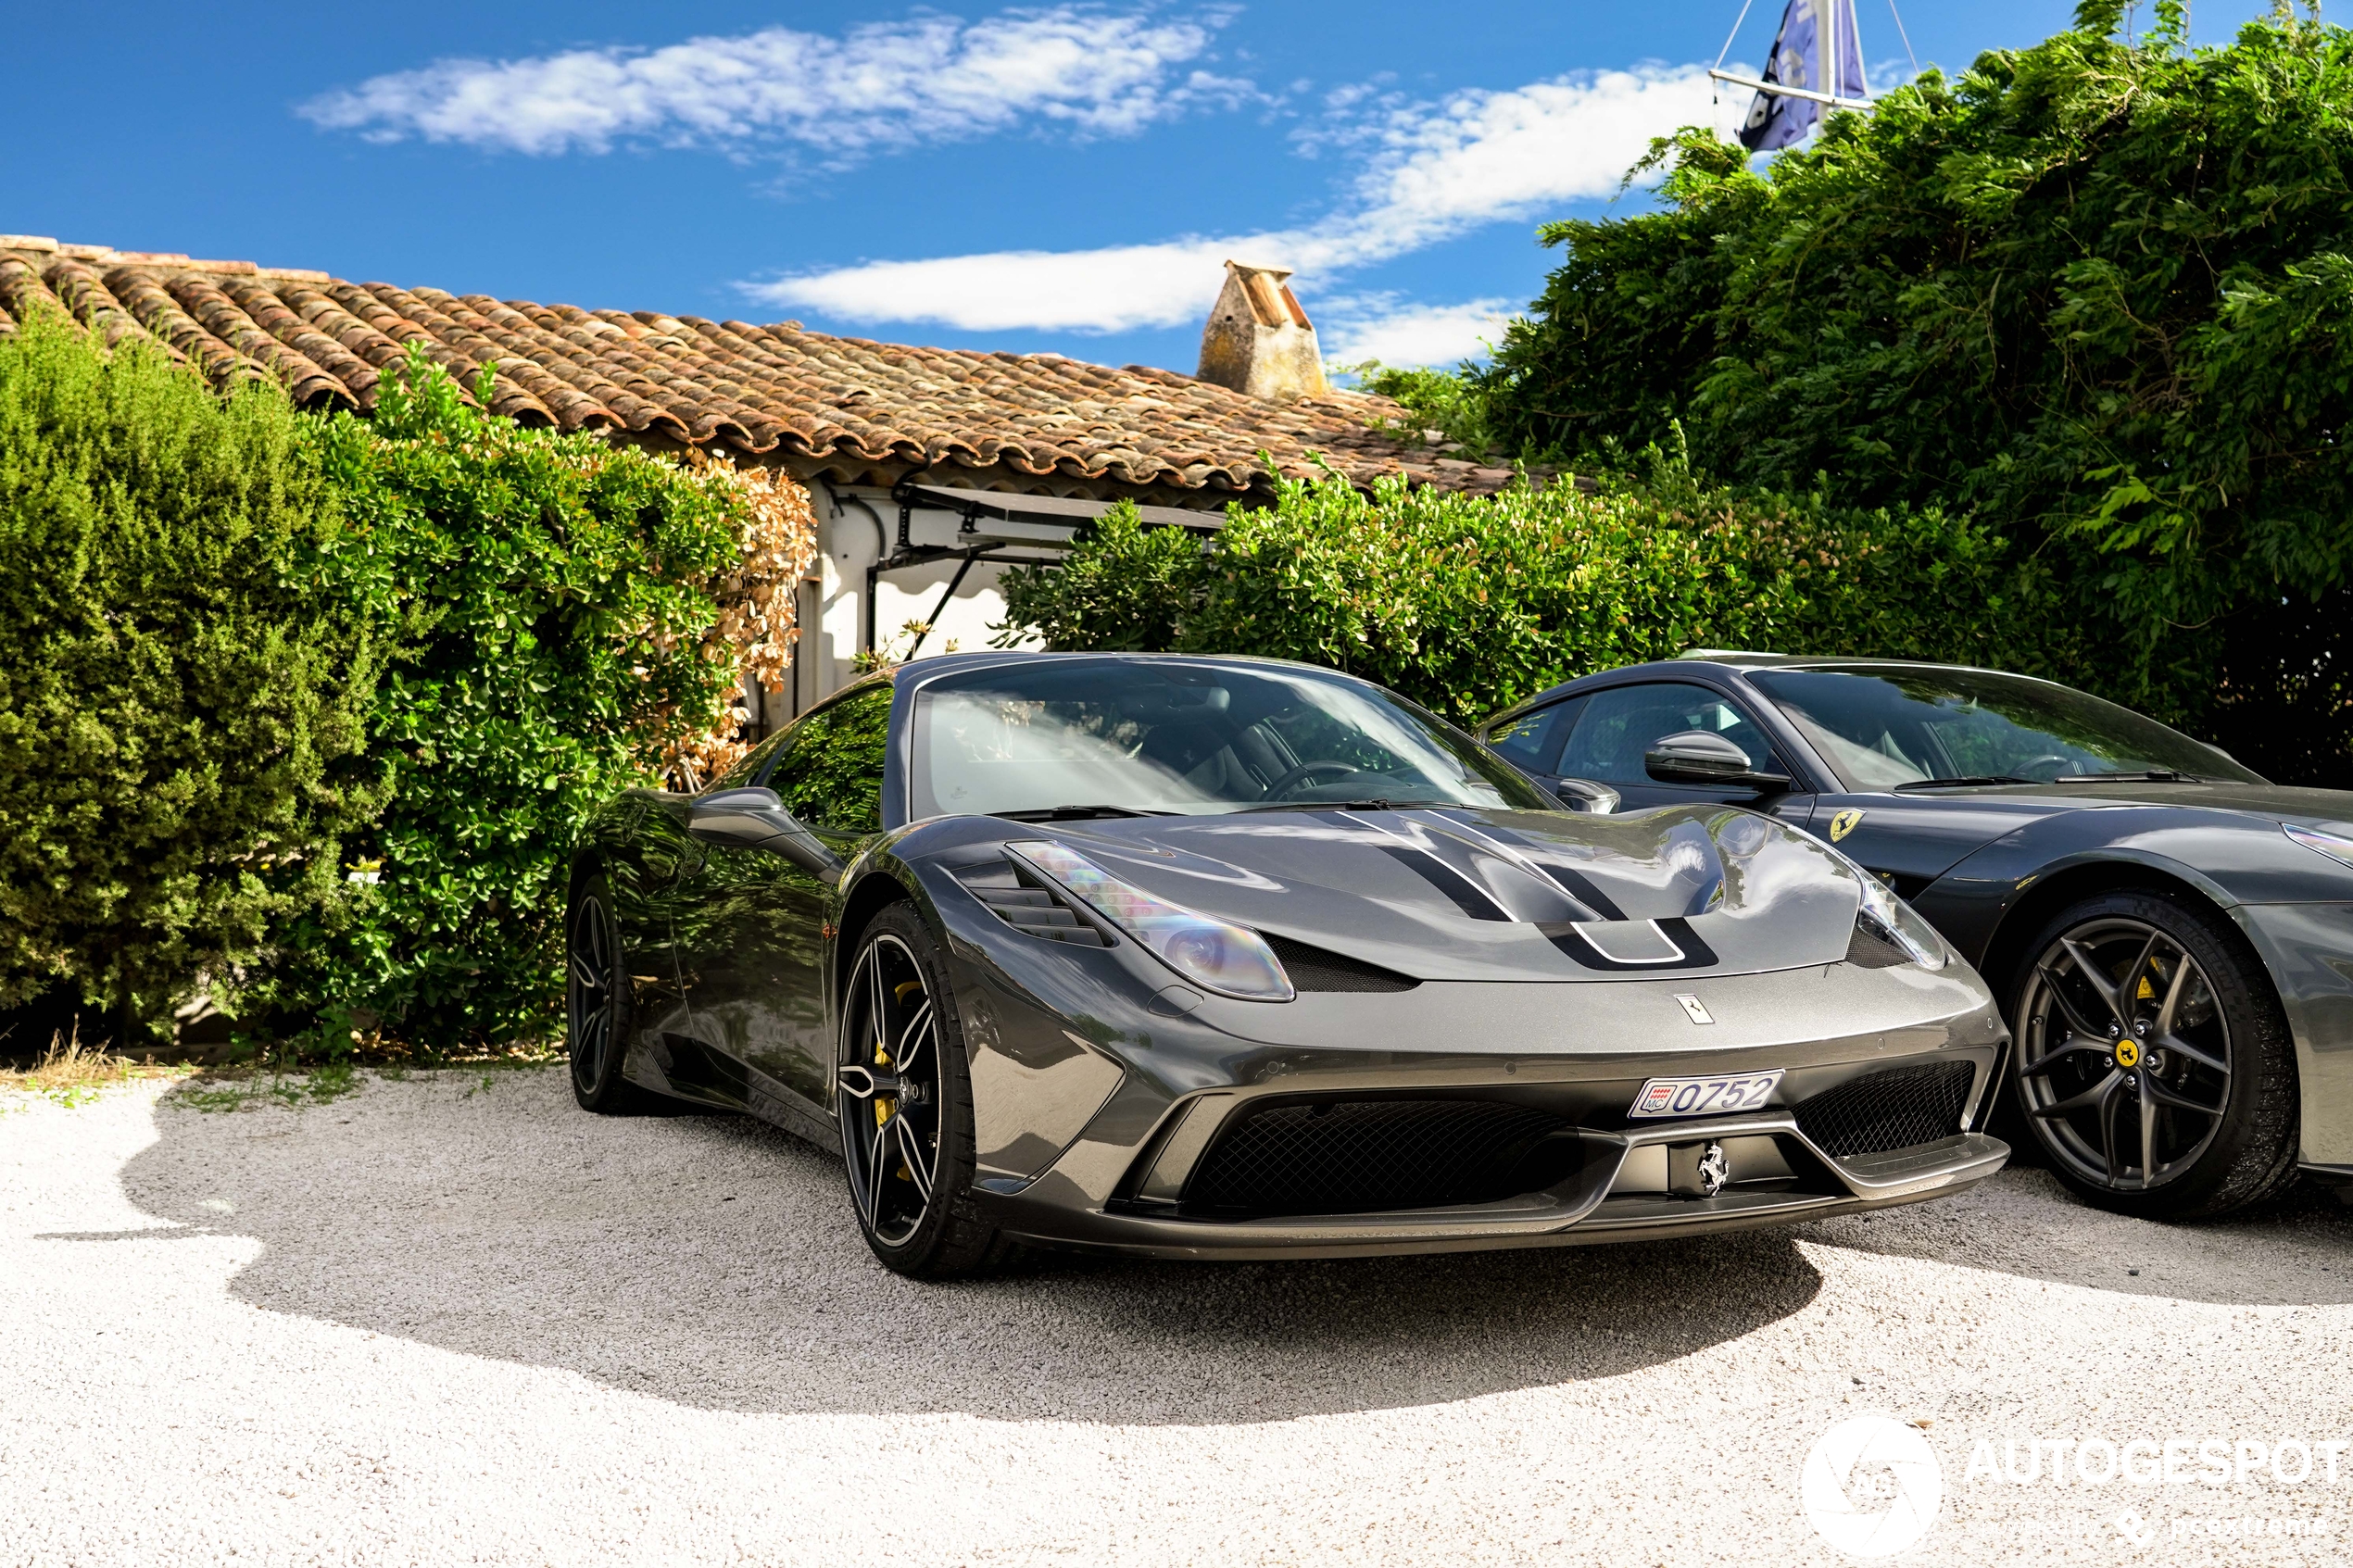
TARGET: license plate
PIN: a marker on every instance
(1706, 1096)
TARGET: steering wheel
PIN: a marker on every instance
(2026, 770)
(1307, 771)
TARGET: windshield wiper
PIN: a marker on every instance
(1075, 813)
(1342, 805)
(2143, 775)
(1973, 779)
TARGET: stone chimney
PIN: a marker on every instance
(1258, 340)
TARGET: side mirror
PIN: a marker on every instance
(1702, 756)
(1585, 795)
(755, 819)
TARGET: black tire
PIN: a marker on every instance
(2198, 1114)
(896, 1116)
(596, 1009)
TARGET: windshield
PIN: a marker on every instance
(1199, 738)
(1880, 728)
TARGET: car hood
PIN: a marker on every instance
(1490, 894)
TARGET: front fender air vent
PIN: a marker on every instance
(1868, 949)
(1029, 906)
(1313, 969)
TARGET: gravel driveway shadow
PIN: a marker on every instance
(2296, 1250)
(713, 1261)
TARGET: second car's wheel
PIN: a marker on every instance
(903, 1096)
(597, 1002)
(2153, 1064)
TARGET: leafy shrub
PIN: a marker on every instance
(2099, 293)
(174, 687)
(1470, 604)
(549, 602)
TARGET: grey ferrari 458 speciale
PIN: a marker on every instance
(1224, 958)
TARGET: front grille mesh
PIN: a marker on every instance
(1357, 1157)
(1868, 949)
(1886, 1111)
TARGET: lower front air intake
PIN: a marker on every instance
(1364, 1156)
(1882, 1111)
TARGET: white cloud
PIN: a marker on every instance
(1432, 171)
(878, 87)
(1411, 335)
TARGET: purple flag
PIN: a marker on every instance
(1775, 119)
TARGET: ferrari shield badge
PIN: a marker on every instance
(1844, 823)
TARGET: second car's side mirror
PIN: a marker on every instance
(1702, 756)
(1585, 795)
(755, 819)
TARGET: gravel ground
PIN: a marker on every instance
(454, 1319)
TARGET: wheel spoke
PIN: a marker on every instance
(2097, 1095)
(2172, 1004)
(2052, 1058)
(911, 1149)
(2148, 1132)
(2075, 1018)
(875, 1021)
(2158, 1093)
(2195, 1053)
(2101, 986)
(911, 1042)
(2128, 990)
(588, 978)
(2107, 1128)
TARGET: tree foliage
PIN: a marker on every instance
(1470, 604)
(175, 690)
(2099, 294)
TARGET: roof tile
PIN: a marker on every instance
(847, 407)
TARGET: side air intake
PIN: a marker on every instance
(1029, 906)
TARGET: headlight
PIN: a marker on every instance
(1891, 920)
(2336, 849)
(1210, 953)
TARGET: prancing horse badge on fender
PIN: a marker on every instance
(1843, 823)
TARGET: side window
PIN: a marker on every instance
(1533, 740)
(748, 767)
(1619, 724)
(829, 772)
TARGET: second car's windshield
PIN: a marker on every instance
(1880, 728)
(1188, 737)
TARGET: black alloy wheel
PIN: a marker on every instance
(597, 1002)
(903, 1097)
(2152, 1061)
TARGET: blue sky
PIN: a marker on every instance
(1060, 178)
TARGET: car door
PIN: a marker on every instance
(755, 955)
(1616, 726)
(647, 867)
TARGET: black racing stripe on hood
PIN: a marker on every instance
(1576, 883)
(1697, 954)
(1584, 890)
(1467, 895)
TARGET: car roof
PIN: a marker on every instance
(948, 663)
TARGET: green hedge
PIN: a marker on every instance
(173, 687)
(1469, 605)
(545, 598)
(302, 710)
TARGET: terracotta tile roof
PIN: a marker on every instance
(849, 409)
